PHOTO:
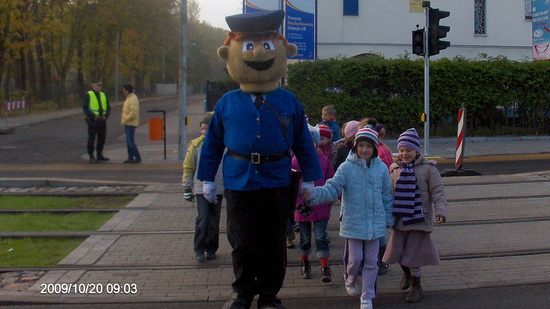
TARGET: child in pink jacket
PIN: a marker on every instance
(316, 217)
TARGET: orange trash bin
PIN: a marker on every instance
(156, 129)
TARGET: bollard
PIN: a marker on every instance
(460, 146)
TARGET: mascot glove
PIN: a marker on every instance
(209, 190)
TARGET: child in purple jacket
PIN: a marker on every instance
(315, 216)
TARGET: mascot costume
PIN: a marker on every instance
(260, 125)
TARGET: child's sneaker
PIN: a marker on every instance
(366, 304)
(305, 269)
(290, 244)
(352, 289)
(326, 274)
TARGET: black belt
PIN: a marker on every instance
(256, 158)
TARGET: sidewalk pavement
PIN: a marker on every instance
(496, 236)
(493, 238)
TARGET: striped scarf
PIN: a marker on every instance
(407, 203)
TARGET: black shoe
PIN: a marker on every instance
(136, 161)
(305, 269)
(326, 274)
(93, 160)
(406, 280)
(382, 268)
(102, 158)
(275, 304)
(128, 161)
(415, 294)
(238, 303)
(210, 255)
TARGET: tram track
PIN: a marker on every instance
(335, 262)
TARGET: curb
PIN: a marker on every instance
(66, 182)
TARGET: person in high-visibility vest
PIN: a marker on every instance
(96, 108)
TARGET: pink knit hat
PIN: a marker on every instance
(351, 128)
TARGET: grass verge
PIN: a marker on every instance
(57, 202)
(49, 222)
(31, 251)
(48, 251)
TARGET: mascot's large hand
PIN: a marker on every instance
(256, 62)
(209, 191)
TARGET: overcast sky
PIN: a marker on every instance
(214, 11)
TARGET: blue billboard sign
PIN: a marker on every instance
(261, 5)
(541, 30)
(300, 27)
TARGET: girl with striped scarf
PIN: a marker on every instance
(419, 200)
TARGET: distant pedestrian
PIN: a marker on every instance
(419, 196)
(207, 223)
(328, 115)
(315, 219)
(130, 121)
(96, 108)
(344, 146)
(365, 214)
(383, 151)
(326, 145)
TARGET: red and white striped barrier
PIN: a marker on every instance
(461, 134)
(460, 141)
(15, 105)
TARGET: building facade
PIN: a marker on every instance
(479, 28)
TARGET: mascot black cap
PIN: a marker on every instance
(256, 24)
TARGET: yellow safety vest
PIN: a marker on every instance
(94, 104)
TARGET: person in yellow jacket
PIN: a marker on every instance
(130, 121)
(207, 230)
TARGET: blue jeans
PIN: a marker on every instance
(207, 225)
(133, 152)
(321, 243)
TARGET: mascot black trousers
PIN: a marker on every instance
(256, 227)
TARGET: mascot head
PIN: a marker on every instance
(254, 52)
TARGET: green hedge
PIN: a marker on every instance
(393, 92)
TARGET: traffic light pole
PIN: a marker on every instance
(426, 5)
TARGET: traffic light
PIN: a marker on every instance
(437, 32)
(418, 42)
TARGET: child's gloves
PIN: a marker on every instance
(209, 190)
(188, 194)
(305, 210)
(307, 187)
(307, 192)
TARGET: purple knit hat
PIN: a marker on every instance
(409, 139)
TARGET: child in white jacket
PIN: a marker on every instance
(366, 211)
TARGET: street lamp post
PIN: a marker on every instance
(182, 142)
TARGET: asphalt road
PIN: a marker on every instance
(171, 173)
(64, 140)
